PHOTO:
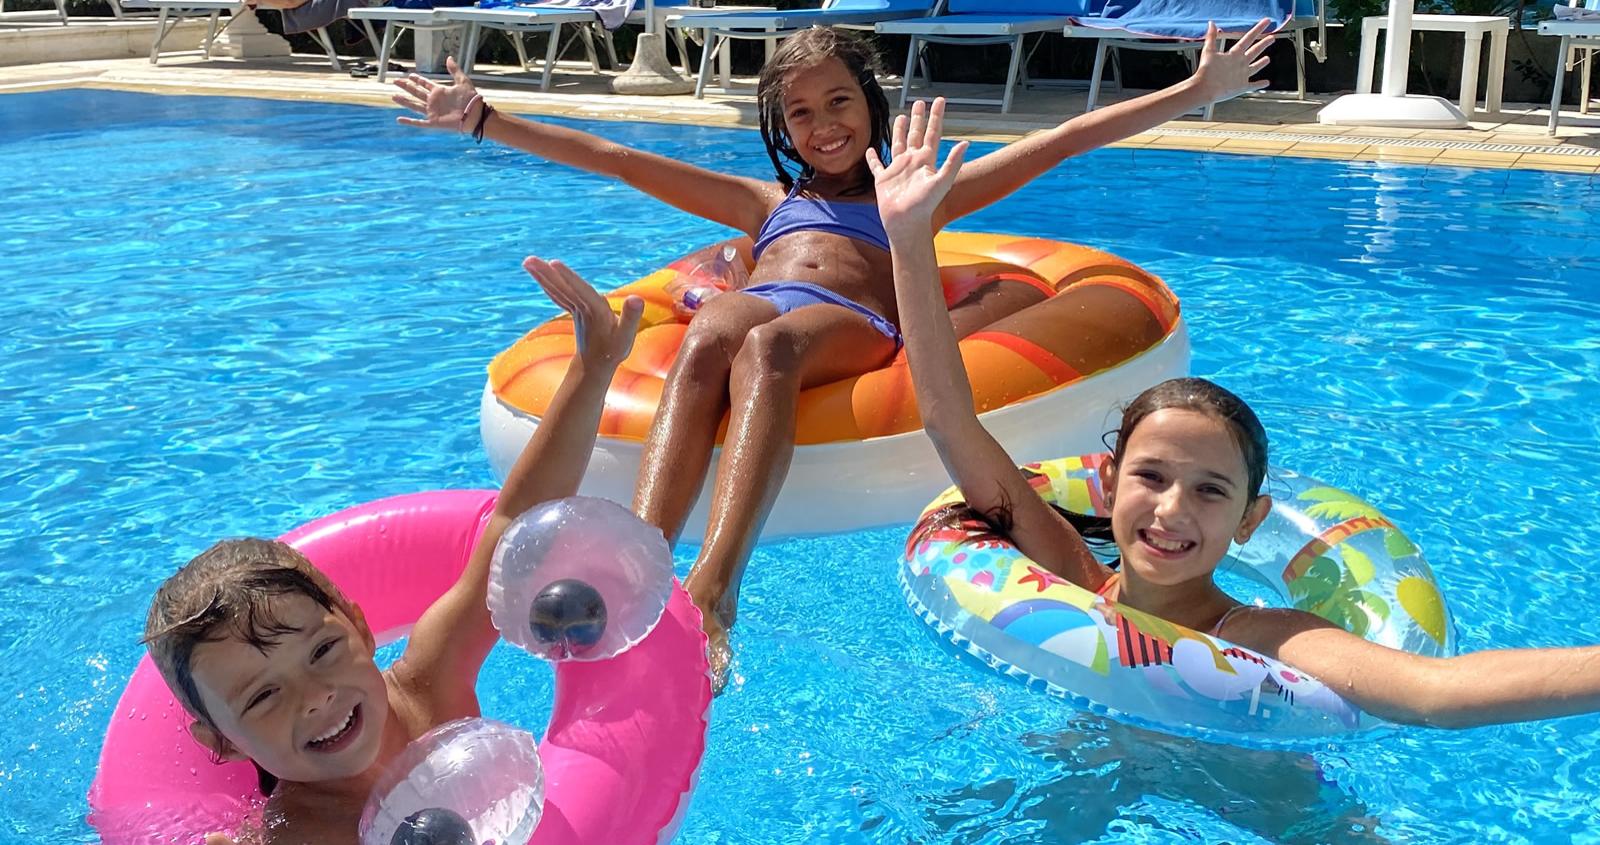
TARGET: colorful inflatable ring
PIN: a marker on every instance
(625, 732)
(1321, 550)
(1108, 330)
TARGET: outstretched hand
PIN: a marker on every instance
(1226, 73)
(912, 185)
(441, 106)
(604, 337)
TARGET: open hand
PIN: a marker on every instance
(604, 337)
(911, 187)
(1226, 73)
(441, 106)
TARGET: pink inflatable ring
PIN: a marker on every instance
(624, 732)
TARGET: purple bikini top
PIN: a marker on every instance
(858, 220)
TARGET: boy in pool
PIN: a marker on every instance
(1183, 483)
(819, 305)
(276, 666)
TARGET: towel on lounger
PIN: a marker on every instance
(1187, 19)
(611, 12)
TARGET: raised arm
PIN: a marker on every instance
(736, 201)
(1221, 74)
(449, 643)
(1482, 688)
(909, 190)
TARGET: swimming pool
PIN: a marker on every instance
(228, 316)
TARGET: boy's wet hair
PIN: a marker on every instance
(1211, 399)
(804, 50)
(225, 593)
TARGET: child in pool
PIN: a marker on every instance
(276, 666)
(1183, 482)
(819, 305)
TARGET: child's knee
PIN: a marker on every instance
(705, 357)
(770, 352)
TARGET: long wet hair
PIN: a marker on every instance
(799, 53)
(224, 593)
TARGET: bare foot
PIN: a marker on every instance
(717, 649)
(717, 612)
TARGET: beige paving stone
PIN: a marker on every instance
(1140, 140)
(1383, 132)
(1382, 159)
(1558, 163)
(1297, 152)
(1254, 145)
(1478, 158)
(1332, 149)
(579, 91)
(1186, 142)
(1476, 164)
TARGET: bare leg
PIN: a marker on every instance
(991, 303)
(809, 346)
(678, 451)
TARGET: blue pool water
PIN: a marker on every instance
(224, 317)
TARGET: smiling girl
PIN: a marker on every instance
(820, 304)
(1183, 484)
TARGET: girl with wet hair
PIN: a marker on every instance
(819, 305)
(1182, 485)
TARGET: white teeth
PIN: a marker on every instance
(1166, 545)
(837, 145)
(342, 727)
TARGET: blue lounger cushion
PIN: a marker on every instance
(1187, 19)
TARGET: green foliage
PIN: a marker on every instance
(1350, 12)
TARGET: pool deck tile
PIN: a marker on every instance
(1253, 145)
(1560, 163)
(1242, 126)
(1477, 158)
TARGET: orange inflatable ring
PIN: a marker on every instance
(1047, 380)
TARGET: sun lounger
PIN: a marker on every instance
(982, 22)
(1579, 31)
(589, 18)
(771, 26)
(1180, 26)
(170, 13)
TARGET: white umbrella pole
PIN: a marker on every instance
(650, 72)
(1394, 107)
(1397, 49)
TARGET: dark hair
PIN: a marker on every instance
(1204, 397)
(994, 525)
(804, 50)
(1190, 394)
(224, 592)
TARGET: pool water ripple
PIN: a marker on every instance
(230, 316)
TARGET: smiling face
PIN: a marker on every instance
(1180, 493)
(309, 706)
(826, 116)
